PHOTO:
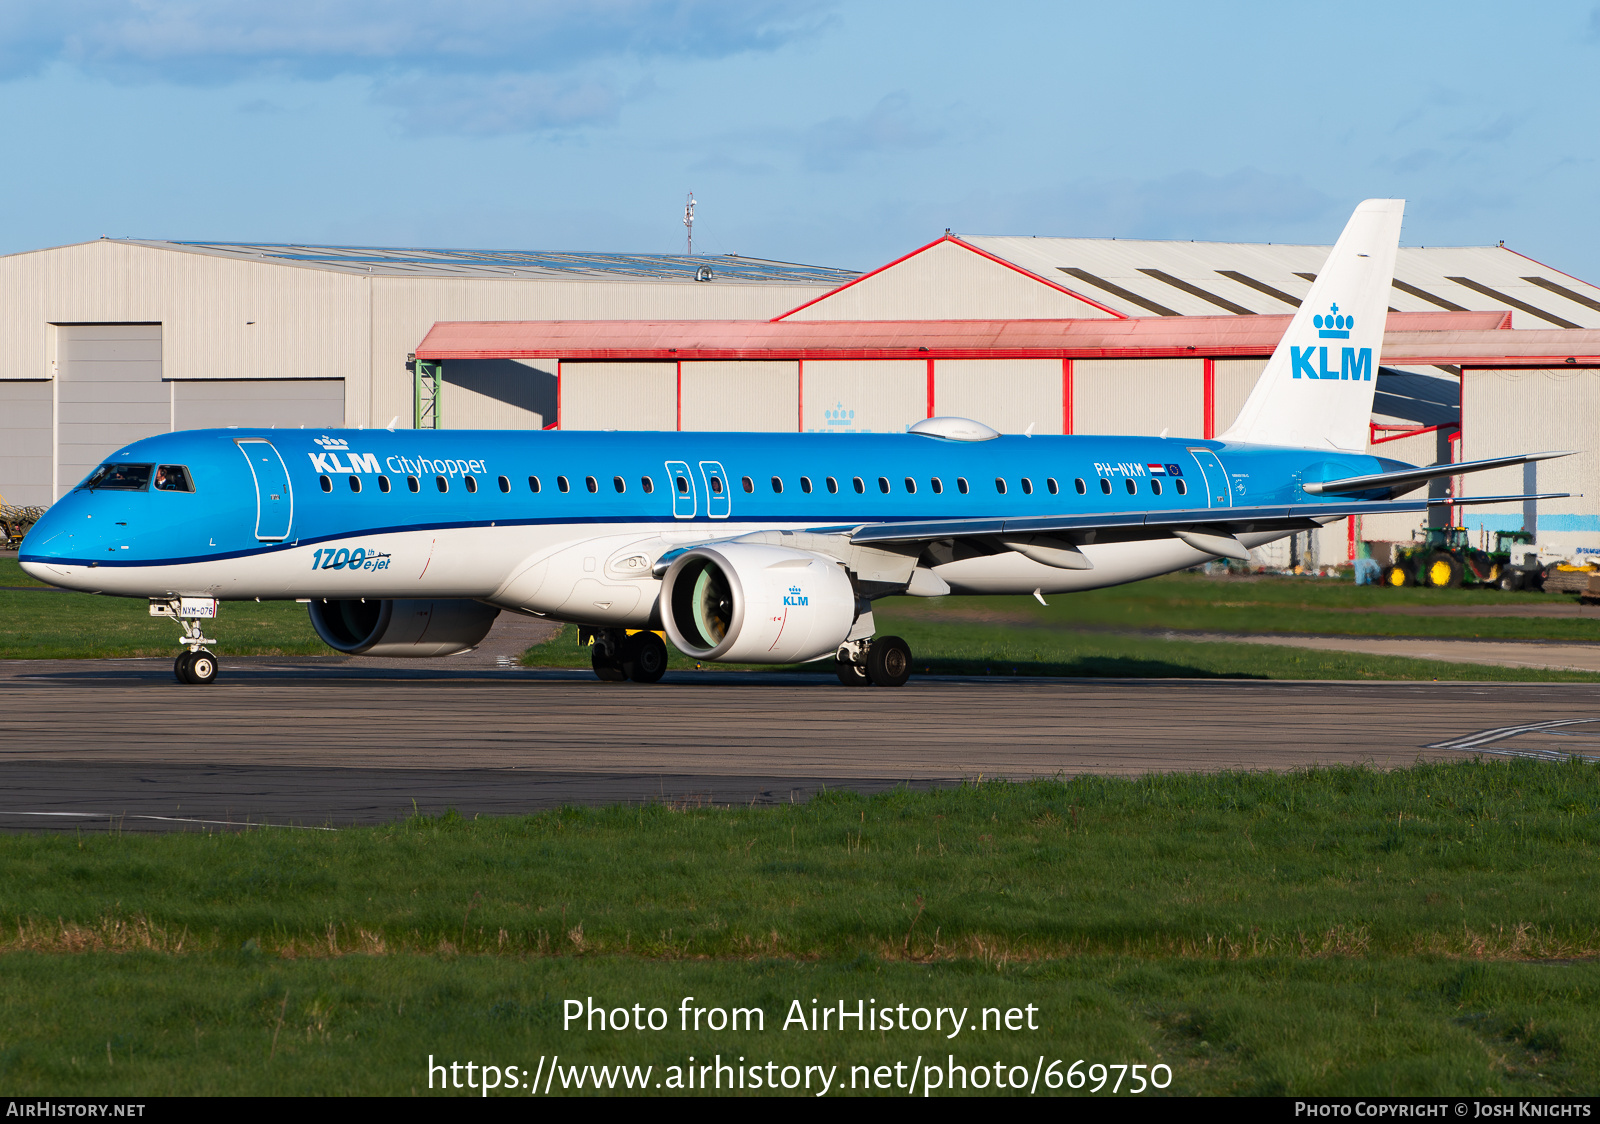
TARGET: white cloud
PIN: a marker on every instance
(489, 65)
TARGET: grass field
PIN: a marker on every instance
(37, 623)
(1430, 930)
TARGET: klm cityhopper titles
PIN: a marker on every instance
(757, 548)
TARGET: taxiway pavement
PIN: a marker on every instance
(118, 743)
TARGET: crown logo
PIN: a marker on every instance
(332, 442)
(794, 589)
(1334, 325)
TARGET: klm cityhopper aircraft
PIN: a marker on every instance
(750, 547)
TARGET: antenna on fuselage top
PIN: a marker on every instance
(392, 422)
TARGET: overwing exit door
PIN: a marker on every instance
(681, 481)
(718, 502)
(274, 499)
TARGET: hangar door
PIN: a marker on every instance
(284, 403)
(109, 394)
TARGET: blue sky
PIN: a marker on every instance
(827, 133)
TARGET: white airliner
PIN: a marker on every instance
(747, 547)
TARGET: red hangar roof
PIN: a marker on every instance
(1453, 338)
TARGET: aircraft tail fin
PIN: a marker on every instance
(1317, 389)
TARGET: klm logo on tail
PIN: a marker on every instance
(1355, 363)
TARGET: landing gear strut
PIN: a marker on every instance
(618, 655)
(884, 662)
(195, 665)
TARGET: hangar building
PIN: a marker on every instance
(1485, 353)
(101, 343)
(105, 342)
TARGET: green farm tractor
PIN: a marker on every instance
(1445, 558)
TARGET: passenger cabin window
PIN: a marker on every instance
(472, 483)
(413, 483)
(860, 484)
(647, 484)
(805, 484)
(937, 485)
(883, 484)
(441, 483)
(1183, 489)
(591, 483)
(777, 484)
(683, 486)
(1130, 484)
(505, 484)
(1080, 486)
(1027, 486)
(833, 485)
(383, 484)
(911, 486)
(533, 484)
(748, 484)
(1000, 485)
(355, 483)
(327, 485)
(1155, 486)
(1105, 485)
(716, 485)
(119, 478)
(563, 486)
(961, 484)
(619, 484)
(173, 478)
(1052, 485)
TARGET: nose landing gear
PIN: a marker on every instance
(195, 665)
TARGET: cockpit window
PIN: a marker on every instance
(173, 478)
(120, 477)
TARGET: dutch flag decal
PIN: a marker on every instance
(1157, 469)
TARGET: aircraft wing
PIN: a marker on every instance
(1220, 522)
(1406, 479)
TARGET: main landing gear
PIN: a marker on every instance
(884, 662)
(195, 665)
(619, 655)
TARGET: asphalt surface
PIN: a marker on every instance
(118, 744)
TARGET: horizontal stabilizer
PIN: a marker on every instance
(1223, 546)
(1406, 479)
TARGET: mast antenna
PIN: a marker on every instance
(688, 221)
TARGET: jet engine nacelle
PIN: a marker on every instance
(756, 604)
(411, 629)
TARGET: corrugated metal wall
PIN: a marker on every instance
(110, 393)
(746, 396)
(25, 440)
(1234, 380)
(947, 282)
(1006, 394)
(864, 395)
(1512, 411)
(1139, 396)
(404, 308)
(284, 403)
(619, 396)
